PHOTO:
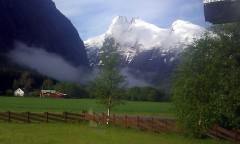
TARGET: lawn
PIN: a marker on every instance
(84, 133)
(19, 133)
(23, 104)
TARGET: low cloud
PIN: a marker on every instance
(47, 63)
(133, 80)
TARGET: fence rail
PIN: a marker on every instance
(232, 136)
(151, 124)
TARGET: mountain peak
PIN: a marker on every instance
(147, 51)
(136, 20)
(119, 23)
(181, 22)
(181, 25)
(138, 35)
(120, 20)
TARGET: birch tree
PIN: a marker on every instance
(110, 84)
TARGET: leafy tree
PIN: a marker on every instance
(47, 84)
(71, 89)
(110, 84)
(133, 93)
(15, 84)
(147, 93)
(25, 81)
(207, 86)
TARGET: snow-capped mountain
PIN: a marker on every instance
(146, 49)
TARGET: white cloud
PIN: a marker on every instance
(46, 63)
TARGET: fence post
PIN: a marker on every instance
(28, 117)
(93, 118)
(236, 136)
(46, 115)
(138, 121)
(152, 126)
(85, 114)
(103, 118)
(216, 132)
(166, 125)
(9, 116)
(65, 113)
(114, 119)
(126, 121)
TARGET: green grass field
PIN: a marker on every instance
(19, 133)
(84, 133)
(22, 104)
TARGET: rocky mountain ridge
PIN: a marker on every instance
(148, 52)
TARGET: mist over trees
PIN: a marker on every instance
(206, 89)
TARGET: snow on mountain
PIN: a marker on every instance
(147, 51)
(136, 36)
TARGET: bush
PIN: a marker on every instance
(33, 94)
(9, 92)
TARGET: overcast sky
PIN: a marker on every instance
(93, 17)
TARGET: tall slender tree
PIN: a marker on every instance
(110, 84)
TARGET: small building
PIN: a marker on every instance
(52, 93)
(19, 92)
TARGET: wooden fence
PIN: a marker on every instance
(151, 124)
(232, 136)
(29, 117)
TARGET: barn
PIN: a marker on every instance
(52, 93)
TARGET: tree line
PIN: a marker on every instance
(32, 86)
(147, 93)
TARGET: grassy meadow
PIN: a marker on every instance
(23, 104)
(84, 133)
(19, 133)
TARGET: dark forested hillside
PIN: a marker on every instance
(10, 74)
(39, 23)
(36, 24)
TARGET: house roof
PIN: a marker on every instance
(23, 90)
(48, 91)
(19, 89)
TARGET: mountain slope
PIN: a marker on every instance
(148, 52)
(38, 23)
(34, 35)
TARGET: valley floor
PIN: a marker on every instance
(23, 104)
(84, 133)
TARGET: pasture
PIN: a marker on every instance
(23, 104)
(85, 133)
